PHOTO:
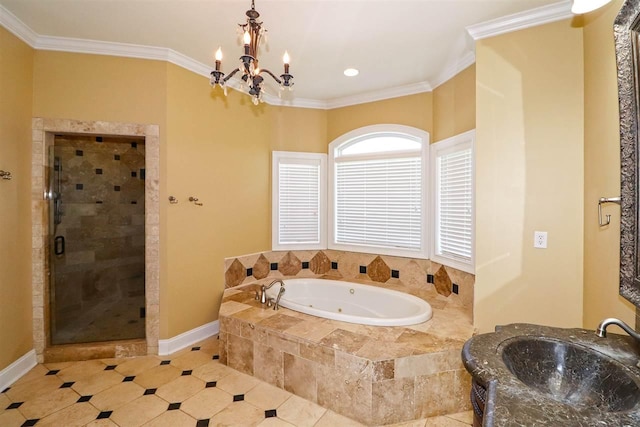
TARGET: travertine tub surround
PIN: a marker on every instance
(390, 271)
(375, 375)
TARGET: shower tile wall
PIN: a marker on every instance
(98, 293)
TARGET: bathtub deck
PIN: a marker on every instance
(374, 374)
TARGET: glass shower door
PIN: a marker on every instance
(96, 223)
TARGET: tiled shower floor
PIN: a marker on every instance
(188, 388)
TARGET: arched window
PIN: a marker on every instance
(378, 191)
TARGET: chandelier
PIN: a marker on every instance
(252, 77)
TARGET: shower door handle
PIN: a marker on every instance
(58, 245)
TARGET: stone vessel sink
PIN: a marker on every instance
(533, 375)
(571, 374)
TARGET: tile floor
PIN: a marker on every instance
(188, 388)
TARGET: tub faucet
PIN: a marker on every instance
(602, 328)
(263, 292)
(276, 305)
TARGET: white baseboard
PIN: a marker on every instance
(187, 338)
(17, 369)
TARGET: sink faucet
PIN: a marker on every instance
(602, 328)
(262, 296)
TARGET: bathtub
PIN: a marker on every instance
(352, 302)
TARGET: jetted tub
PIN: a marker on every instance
(352, 302)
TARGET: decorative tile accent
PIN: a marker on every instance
(216, 357)
(116, 188)
(98, 139)
(116, 157)
(305, 265)
(270, 413)
(110, 367)
(320, 263)
(134, 145)
(334, 265)
(79, 186)
(202, 423)
(67, 385)
(30, 422)
(430, 278)
(149, 391)
(98, 171)
(454, 288)
(185, 373)
(442, 282)
(378, 270)
(238, 397)
(134, 174)
(260, 268)
(128, 379)
(235, 274)
(104, 414)
(195, 348)
(211, 384)
(249, 272)
(53, 372)
(363, 269)
(165, 362)
(174, 406)
(79, 153)
(395, 274)
(15, 405)
(290, 265)
(273, 266)
(84, 399)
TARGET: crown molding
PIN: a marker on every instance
(379, 95)
(11, 22)
(520, 21)
(503, 25)
(452, 70)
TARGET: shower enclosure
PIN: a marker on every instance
(97, 237)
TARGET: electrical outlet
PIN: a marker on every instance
(540, 239)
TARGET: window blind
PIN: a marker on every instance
(454, 204)
(379, 202)
(299, 201)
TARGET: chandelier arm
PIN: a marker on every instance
(231, 74)
(271, 74)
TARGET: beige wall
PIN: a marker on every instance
(529, 176)
(219, 150)
(214, 148)
(602, 172)
(413, 110)
(16, 74)
(454, 105)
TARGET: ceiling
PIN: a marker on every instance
(410, 44)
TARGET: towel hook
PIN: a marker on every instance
(195, 201)
(601, 201)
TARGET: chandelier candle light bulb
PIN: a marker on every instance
(286, 59)
(218, 58)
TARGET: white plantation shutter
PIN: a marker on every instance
(379, 202)
(454, 201)
(299, 196)
(377, 191)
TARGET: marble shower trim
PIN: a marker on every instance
(43, 131)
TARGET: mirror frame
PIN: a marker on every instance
(626, 33)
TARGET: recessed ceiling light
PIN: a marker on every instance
(351, 72)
